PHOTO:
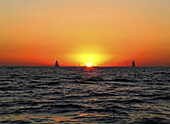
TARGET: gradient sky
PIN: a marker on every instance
(102, 32)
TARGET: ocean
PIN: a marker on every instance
(118, 95)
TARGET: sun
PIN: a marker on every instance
(88, 64)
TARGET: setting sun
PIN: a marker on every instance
(88, 64)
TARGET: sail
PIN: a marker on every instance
(133, 64)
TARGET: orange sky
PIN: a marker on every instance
(102, 32)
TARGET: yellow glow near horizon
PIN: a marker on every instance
(93, 53)
(88, 64)
(93, 59)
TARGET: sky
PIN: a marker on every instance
(76, 32)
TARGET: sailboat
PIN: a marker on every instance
(133, 63)
(56, 64)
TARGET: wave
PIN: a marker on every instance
(94, 79)
(64, 106)
(162, 98)
(123, 80)
(112, 110)
(152, 120)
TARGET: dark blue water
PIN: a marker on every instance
(80, 95)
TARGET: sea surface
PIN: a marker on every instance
(120, 95)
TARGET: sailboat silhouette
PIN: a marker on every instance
(56, 64)
(133, 63)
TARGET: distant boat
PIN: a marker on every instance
(133, 63)
(56, 64)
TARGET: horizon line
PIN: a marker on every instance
(75, 66)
